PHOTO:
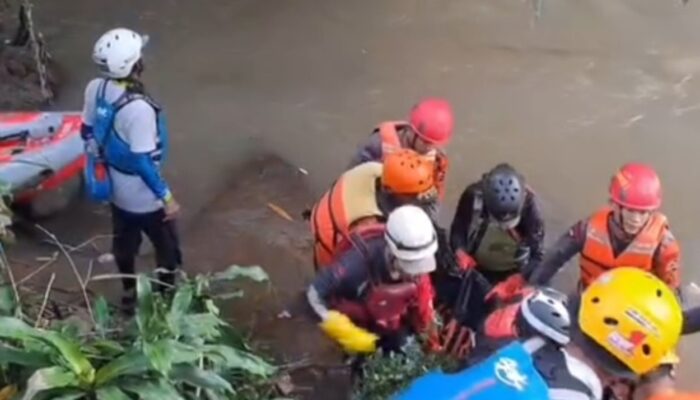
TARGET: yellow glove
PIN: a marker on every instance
(351, 337)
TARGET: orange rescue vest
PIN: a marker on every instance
(597, 255)
(350, 202)
(389, 135)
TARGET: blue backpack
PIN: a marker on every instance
(508, 374)
(114, 151)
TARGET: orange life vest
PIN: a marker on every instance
(673, 395)
(597, 255)
(389, 135)
(350, 202)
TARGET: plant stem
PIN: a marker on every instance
(107, 277)
(73, 267)
(39, 269)
(5, 266)
(46, 300)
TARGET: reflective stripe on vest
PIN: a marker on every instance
(597, 255)
(389, 135)
(351, 199)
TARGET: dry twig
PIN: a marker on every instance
(46, 299)
(73, 267)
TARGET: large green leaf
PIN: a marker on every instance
(25, 358)
(72, 355)
(103, 318)
(183, 353)
(254, 273)
(180, 306)
(49, 378)
(13, 328)
(200, 378)
(152, 390)
(228, 357)
(203, 325)
(131, 363)
(111, 393)
(146, 303)
(159, 355)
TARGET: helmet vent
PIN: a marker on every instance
(659, 293)
(595, 300)
(646, 349)
(610, 321)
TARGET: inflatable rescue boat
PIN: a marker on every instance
(39, 152)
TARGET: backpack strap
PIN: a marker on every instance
(478, 224)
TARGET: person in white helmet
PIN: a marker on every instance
(124, 128)
(377, 291)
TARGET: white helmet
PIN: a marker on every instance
(411, 237)
(117, 51)
(546, 310)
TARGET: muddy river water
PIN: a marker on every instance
(567, 98)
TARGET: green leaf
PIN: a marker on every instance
(182, 301)
(211, 307)
(131, 363)
(152, 390)
(180, 306)
(112, 393)
(230, 336)
(72, 355)
(212, 395)
(13, 328)
(71, 395)
(106, 347)
(49, 378)
(103, 318)
(254, 273)
(159, 355)
(200, 378)
(203, 325)
(183, 353)
(231, 358)
(25, 358)
(146, 303)
(7, 299)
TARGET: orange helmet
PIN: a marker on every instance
(408, 173)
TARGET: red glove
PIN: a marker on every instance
(464, 260)
(506, 290)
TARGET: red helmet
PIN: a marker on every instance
(433, 121)
(636, 186)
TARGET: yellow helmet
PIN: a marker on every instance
(634, 316)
